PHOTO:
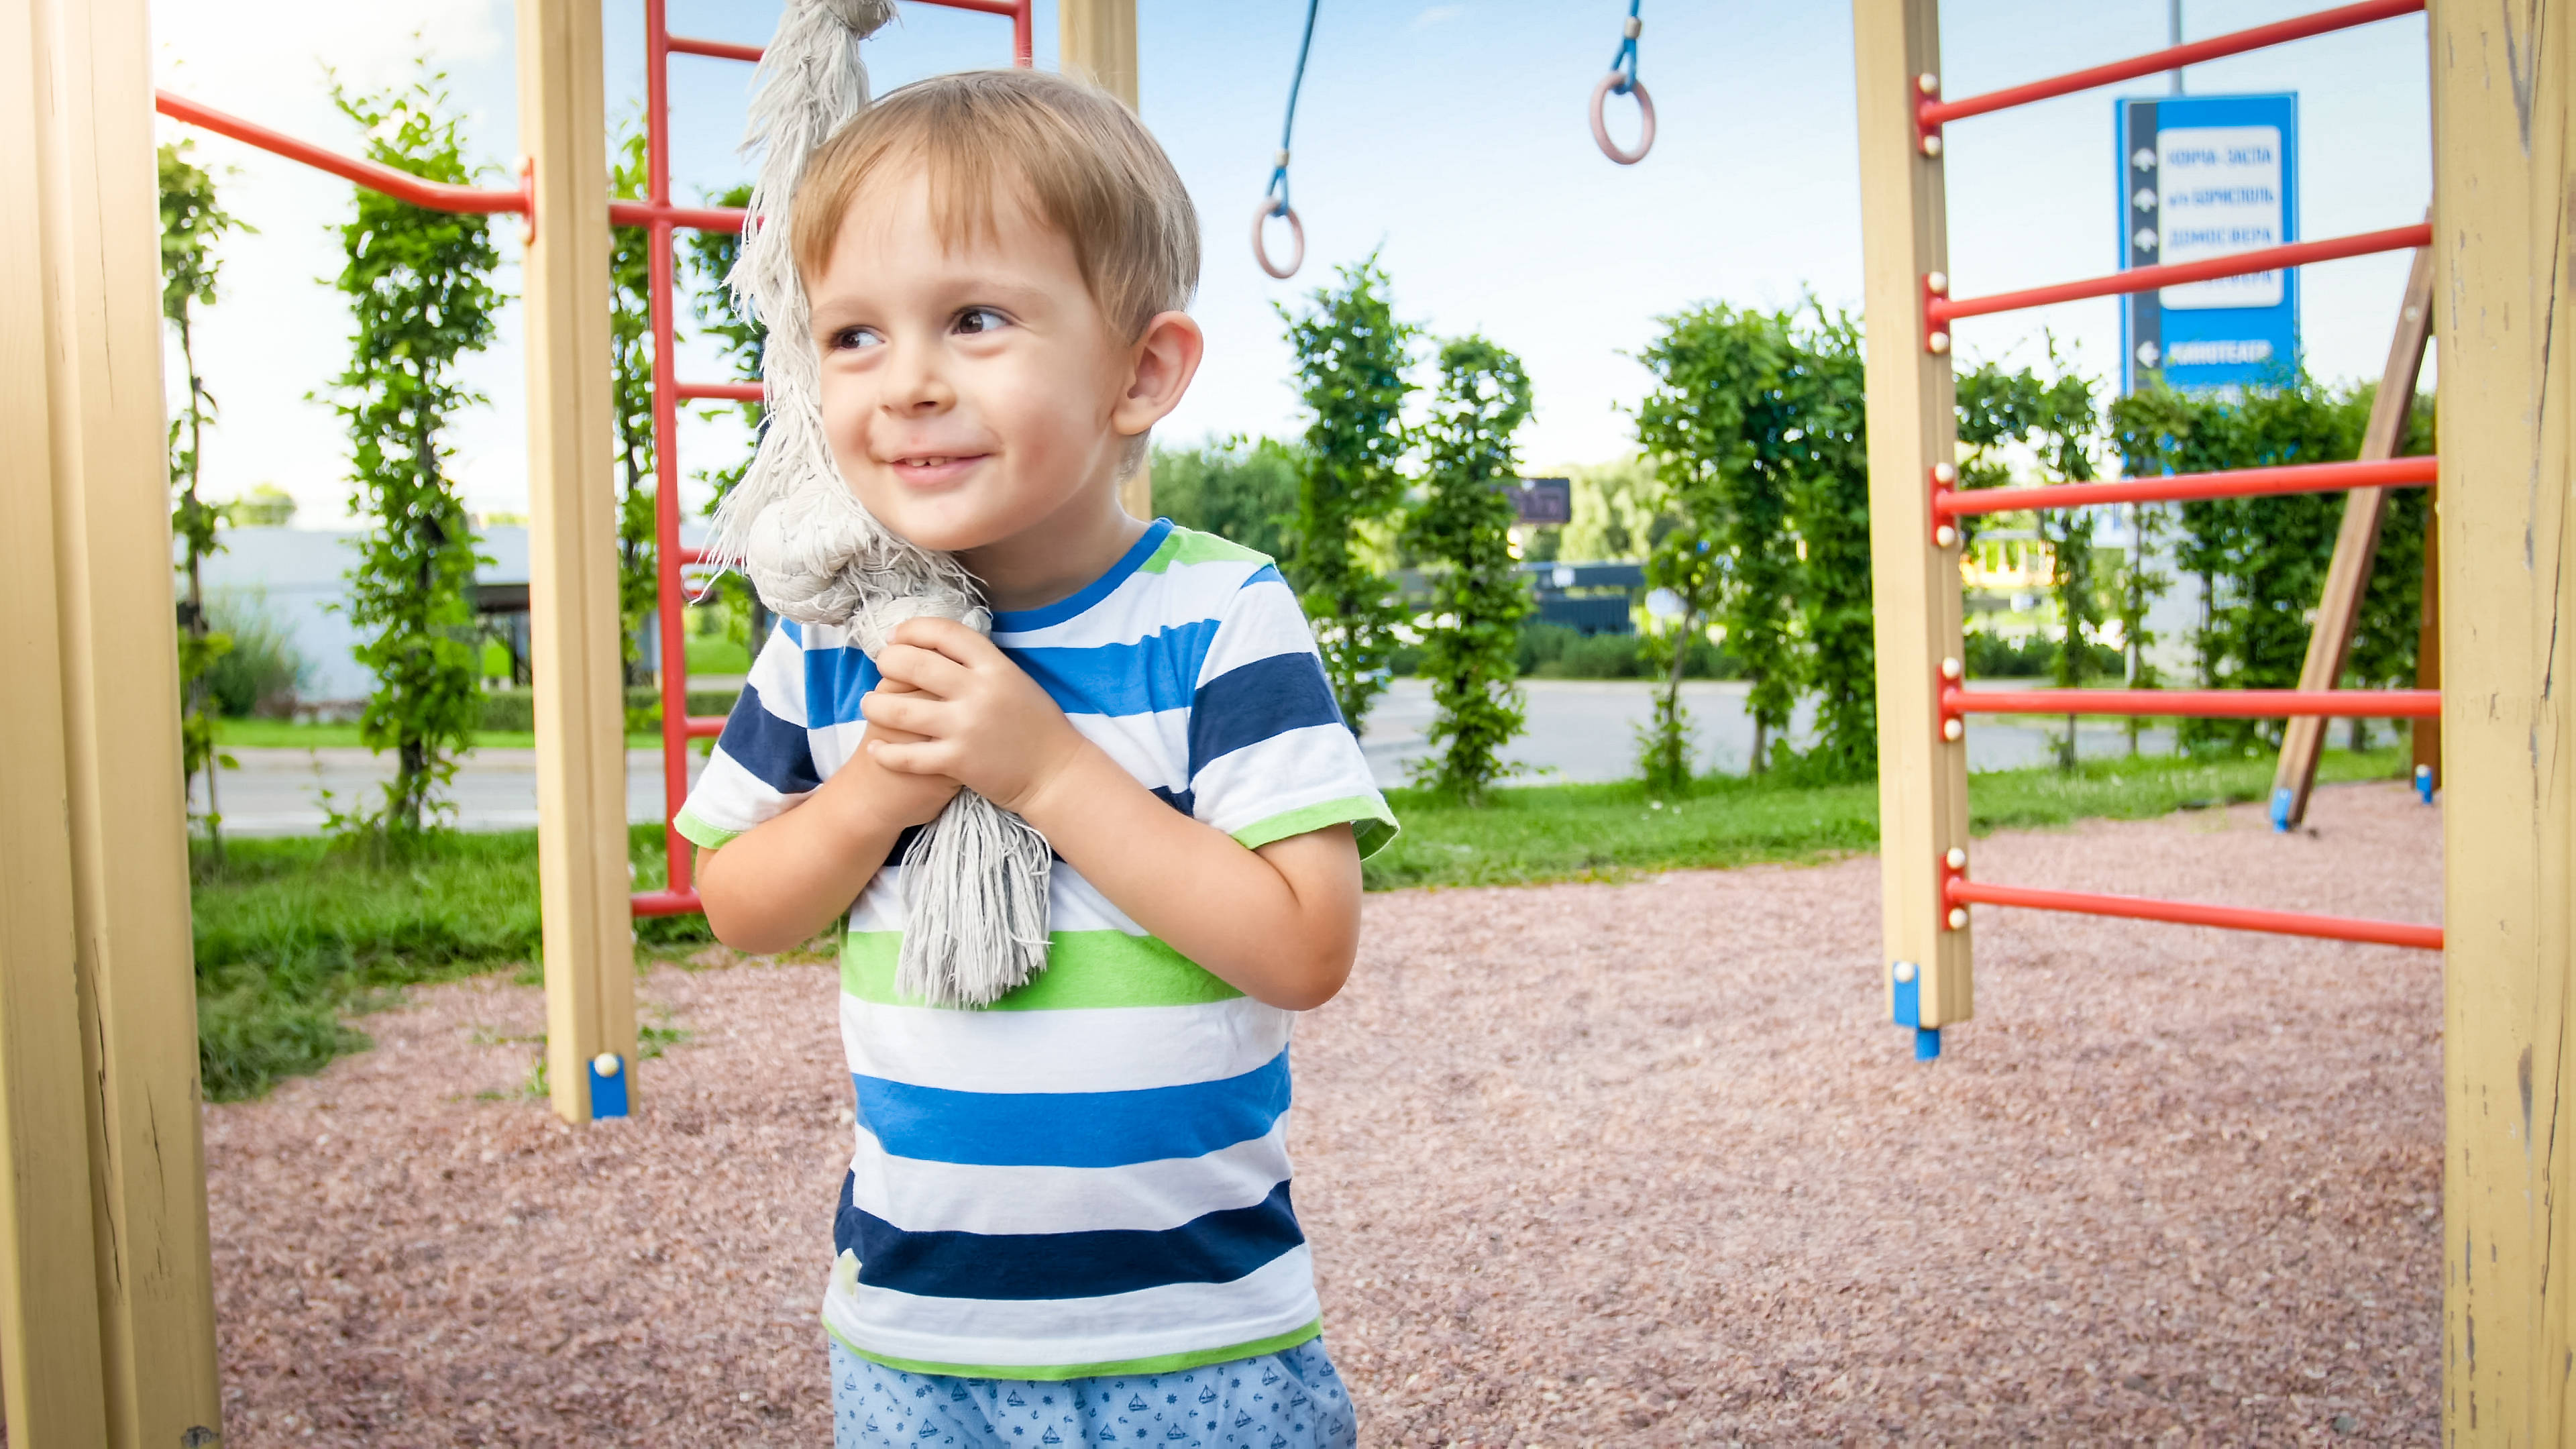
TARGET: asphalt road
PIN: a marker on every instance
(1580, 730)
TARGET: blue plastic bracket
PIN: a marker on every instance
(2424, 783)
(608, 1088)
(2281, 809)
(1906, 979)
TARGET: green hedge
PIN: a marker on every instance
(516, 709)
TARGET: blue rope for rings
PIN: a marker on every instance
(1278, 189)
(1624, 64)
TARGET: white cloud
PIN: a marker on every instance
(1437, 14)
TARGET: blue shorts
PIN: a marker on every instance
(1286, 1400)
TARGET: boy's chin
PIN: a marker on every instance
(940, 530)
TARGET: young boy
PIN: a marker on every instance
(1066, 1218)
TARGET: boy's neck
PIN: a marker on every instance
(1054, 557)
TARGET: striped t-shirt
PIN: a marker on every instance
(1091, 1175)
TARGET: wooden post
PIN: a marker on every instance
(2503, 250)
(1913, 425)
(582, 875)
(2356, 547)
(107, 1330)
(1096, 40)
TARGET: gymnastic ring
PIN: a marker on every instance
(1296, 231)
(1645, 109)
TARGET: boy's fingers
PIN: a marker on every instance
(929, 757)
(923, 668)
(914, 714)
(946, 636)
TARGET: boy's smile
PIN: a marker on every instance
(976, 397)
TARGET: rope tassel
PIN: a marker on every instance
(974, 881)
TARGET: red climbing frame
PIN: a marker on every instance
(1948, 503)
(660, 218)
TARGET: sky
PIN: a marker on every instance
(1448, 139)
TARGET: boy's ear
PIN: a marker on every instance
(1160, 367)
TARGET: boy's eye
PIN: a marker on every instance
(852, 338)
(981, 319)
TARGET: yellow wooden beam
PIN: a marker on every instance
(96, 847)
(1096, 40)
(582, 876)
(1913, 425)
(51, 1379)
(2502, 120)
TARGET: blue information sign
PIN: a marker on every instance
(2201, 177)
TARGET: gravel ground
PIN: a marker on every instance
(1586, 1164)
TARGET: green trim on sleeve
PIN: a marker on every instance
(1372, 823)
(1170, 1363)
(1189, 546)
(698, 832)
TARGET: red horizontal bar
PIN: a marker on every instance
(720, 391)
(2200, 703)
(1959, 890)
(720, 49)
(700, 218)
(2413, 472)
(690, 554)
(706, 726)
(665, 903)
(982, 7)
(1931, 113)
(375, 176)
(2146, 279)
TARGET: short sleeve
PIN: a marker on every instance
(1269, 755)
(763, 763)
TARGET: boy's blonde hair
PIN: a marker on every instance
(1080, 161)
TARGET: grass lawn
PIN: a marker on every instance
(293, 935)
(279, 734)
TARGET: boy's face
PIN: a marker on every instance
(970, 393)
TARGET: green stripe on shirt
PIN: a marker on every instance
(1084, 969)
(1169, 1363)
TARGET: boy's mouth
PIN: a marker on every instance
(932, 469)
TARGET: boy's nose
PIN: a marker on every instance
(915, 385)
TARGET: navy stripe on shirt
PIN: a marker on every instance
(1217, 1247)
(780, 755)
(1253, 702)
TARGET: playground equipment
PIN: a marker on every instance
(1915, 506)
(2502, 117)
(1622, 80)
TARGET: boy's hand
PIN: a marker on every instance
(896, 798)
(976, 717)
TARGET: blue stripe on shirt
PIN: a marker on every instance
(1217, 1247)
(1073, 1129)
(834, 680)
(1157, 672)
(1253, 702)
(777, 753)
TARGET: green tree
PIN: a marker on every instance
(1822, 448)
(1352, 355)
(630, 371)
(1462, 528)
(1244, 490)
(419, 284)
(708, 258)
(191, 224)
(1619, 511)
(2057, 420)
(1717, 397)
(2261, 562)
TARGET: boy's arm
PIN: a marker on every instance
(1280, 923)
(772, 887)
